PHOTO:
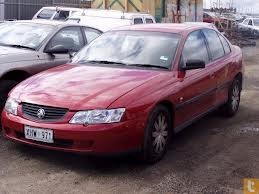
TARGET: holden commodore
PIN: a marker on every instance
(129, 90)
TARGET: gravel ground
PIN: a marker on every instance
(212, 156)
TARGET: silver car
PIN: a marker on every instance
(251, 25)
(29, 47)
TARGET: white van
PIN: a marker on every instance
(56, 13)
(108, 19)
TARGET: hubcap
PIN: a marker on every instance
(235, 97)
(160, 133)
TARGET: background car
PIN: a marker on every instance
(109, 19)
(29, 47)
(56, 13)
(129, 90)
(251, 25)
(209, 17)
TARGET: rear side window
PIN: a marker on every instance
(215, 45)
(61, 15)
(149, 21)
(225, 44)
(91, 34)
(138, 21)
(195, 48)
(246, 22)
(205, 15)
(46, 14)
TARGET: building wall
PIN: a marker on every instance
(1, 10)
(25, 9)
(190, 10)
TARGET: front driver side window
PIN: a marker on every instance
(70, 38)
(195, 48)
(250, 23)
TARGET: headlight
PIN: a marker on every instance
(98, 116)
(11, 106)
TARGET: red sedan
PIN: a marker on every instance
(129, 90)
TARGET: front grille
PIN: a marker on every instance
(51, 113)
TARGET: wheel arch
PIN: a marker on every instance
(239, 76)
(171, 108)
(16, 75)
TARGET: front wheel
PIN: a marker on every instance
(234, 94)
(157, 135)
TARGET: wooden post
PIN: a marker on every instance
(126, 5)
(104, 4)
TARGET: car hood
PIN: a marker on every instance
(81, 87)
(9, 54)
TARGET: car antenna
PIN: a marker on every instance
(123, 15)
(83, 14)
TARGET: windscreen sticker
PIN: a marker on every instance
(164, 58)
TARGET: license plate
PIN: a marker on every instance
(38, 134)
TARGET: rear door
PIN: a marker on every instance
(219, 63)
(197, 93)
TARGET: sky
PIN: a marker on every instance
(242, 5)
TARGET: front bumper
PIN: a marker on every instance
(96, 139)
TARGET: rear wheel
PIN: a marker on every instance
(5, 88)
(157, 135)
(234, 94)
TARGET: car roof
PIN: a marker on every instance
(40, 21)
(53, 23)
(110, 13)
(166, 27)
(63, 8)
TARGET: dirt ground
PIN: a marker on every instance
(212, 156)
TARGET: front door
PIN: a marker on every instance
(198, 87)
(70, 38)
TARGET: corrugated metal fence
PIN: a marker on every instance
(25, 9)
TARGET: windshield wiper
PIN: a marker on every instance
(19, 46)
(149, 65)
(102, 62)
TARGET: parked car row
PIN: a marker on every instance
(128, 90)
(105, 19)
(212, 17)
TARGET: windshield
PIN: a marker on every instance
(131, 48)
(24, 34)
(256, 22)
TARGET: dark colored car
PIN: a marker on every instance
(130, 89)
(29, 47)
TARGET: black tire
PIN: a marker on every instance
(234, 94)
(157, 135)
(5, 87)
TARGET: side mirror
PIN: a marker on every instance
(58, 49)
(194, 64)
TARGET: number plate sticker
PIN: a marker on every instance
(38, 134)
